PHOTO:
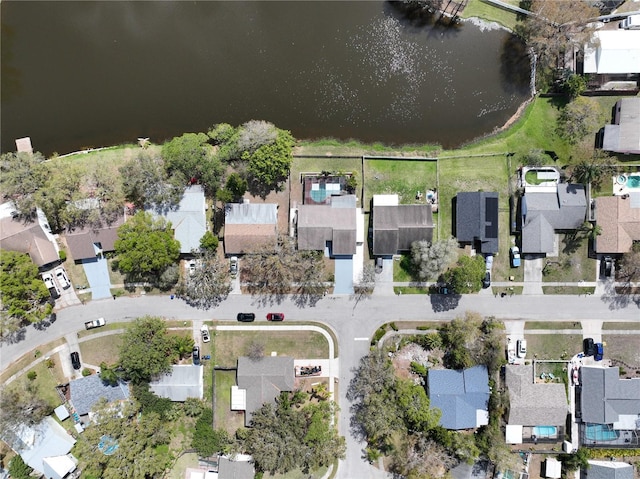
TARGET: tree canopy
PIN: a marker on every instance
(208, 284)
(467, 276)
(432, 259)
(145, 247)
(269, 164)
(21, 176)
(146, 350)
(578, 119)
(24, 294)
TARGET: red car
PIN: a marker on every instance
(275, 317)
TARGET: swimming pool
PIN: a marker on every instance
(600, 432)
(545, 431)
(633, 181)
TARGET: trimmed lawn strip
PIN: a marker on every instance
(98, 350)
(485, 11)
(552, 325)
(298, 474)
(327, 147)
(417, 324)
(225, 418)
(402, 269)
(572, 264)
(579, 290)
(624, 348)
(553, 346)
(628, 325)
(510, 291)
(28, 358)
(410, 290)
(107, 327)
(404, 178)
(299, 344)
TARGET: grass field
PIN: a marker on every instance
(629, 325)
(572, 264)
(47, 380)
(224, 417)
(623, 348)
(28, 358)
(479, 9)
(553, 346)
(229, 345)
(98, 350)
(552, 325)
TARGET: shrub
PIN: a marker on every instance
(50, 363)
(393, 326)
(86, 372)
(32, 375)
(63, 255)
(418, 368)
(379, 333)
(423, 328)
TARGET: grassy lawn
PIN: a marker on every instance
(47, 380)
(328, 147)
(480, 9)
(95, 351)
(623, 348)
(28, 358)
(229, 345)
(224, 417)
(402, 270)
(553, 346)
(410, 290)
(621, 325)
(404, 178)
(579, 290)
(298, 474)
(572, 264)
(106, 327)
(552, 325)
(114, 275)
(180, 467)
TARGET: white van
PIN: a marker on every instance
(632, 22)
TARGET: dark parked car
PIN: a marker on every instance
(486, 282)
(75, 360)
(246, 317)
(607, 266)
(599, 352)
(196, 355)
(588, 346)
(275, 317)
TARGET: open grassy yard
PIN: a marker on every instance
(224, 417)
(553, 346)
(626, 325)
(572, 264)
(486, 11)
(402, 177)
(298, 474)
(180, 467)
(552, 325)
(229, 345)
(95, 351)
(28, 358)
(47, 380)
(624, 348)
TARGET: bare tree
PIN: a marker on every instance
(208, 283)
(367, 283)
(432, 259)
(255, 133)
(255, 350)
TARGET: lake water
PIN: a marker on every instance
(89, 74)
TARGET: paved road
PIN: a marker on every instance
(354, 324)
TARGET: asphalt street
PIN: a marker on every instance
(354, 322)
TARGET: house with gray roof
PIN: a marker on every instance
(238, 467)
(607, 399)
(462, 396)
(532, 404)
(477, 220)
(547, 210)
(329, 227)
(608, 470)
(87, 391)
(90, 242)
(188, 219)
(623, 136)
(184, 381)
(396, 227)
(248, 226)
(45, 447)
(262, 381)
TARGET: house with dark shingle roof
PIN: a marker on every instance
(462, 396)
(262, 381)
(608, 470)
(533, 404)
(248, 226)
(547, 210)
(331, 227)
(88, 242)
(184, 381)
(87, 391)
(607, 399)
(477, 220)
(238, 467)
(623, 136)
(619, 222)
(396, 227)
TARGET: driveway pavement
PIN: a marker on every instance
(98, 276)
(384, 279)
(533, 275)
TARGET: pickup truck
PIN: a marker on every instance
(96, 323)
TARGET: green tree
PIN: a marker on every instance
(270, 163)
(236, 185)
(457, 338)
(629, 266)
(578, 119)
(594, 168)
(209, 284)
(21, 403)
(467, 276)
(24, 294)
(579, 459)
(145, 247)
(146, 350)
(209, 241)
(21, 176)
(63, 186)
(533, 158)
(146, 184)
(431, 259)
(183, 345)
(574, 85)
(413, 400)
(206, 440)
(18, 469)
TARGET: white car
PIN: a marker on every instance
(233, 266)
(62, 278)
(51, 285)
(204, 330)
(522, 348)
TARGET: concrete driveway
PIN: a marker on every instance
(98, 276)
(343, 274)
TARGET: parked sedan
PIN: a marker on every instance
(75, 360)
(515, 256)
(51, 285)
(196, 355)
(599, 352)
(61, 275)
(246, 317)
(204, 331)
(275, 317)
(588, 346)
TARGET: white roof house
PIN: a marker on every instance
(184, 381)
(613, 52)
